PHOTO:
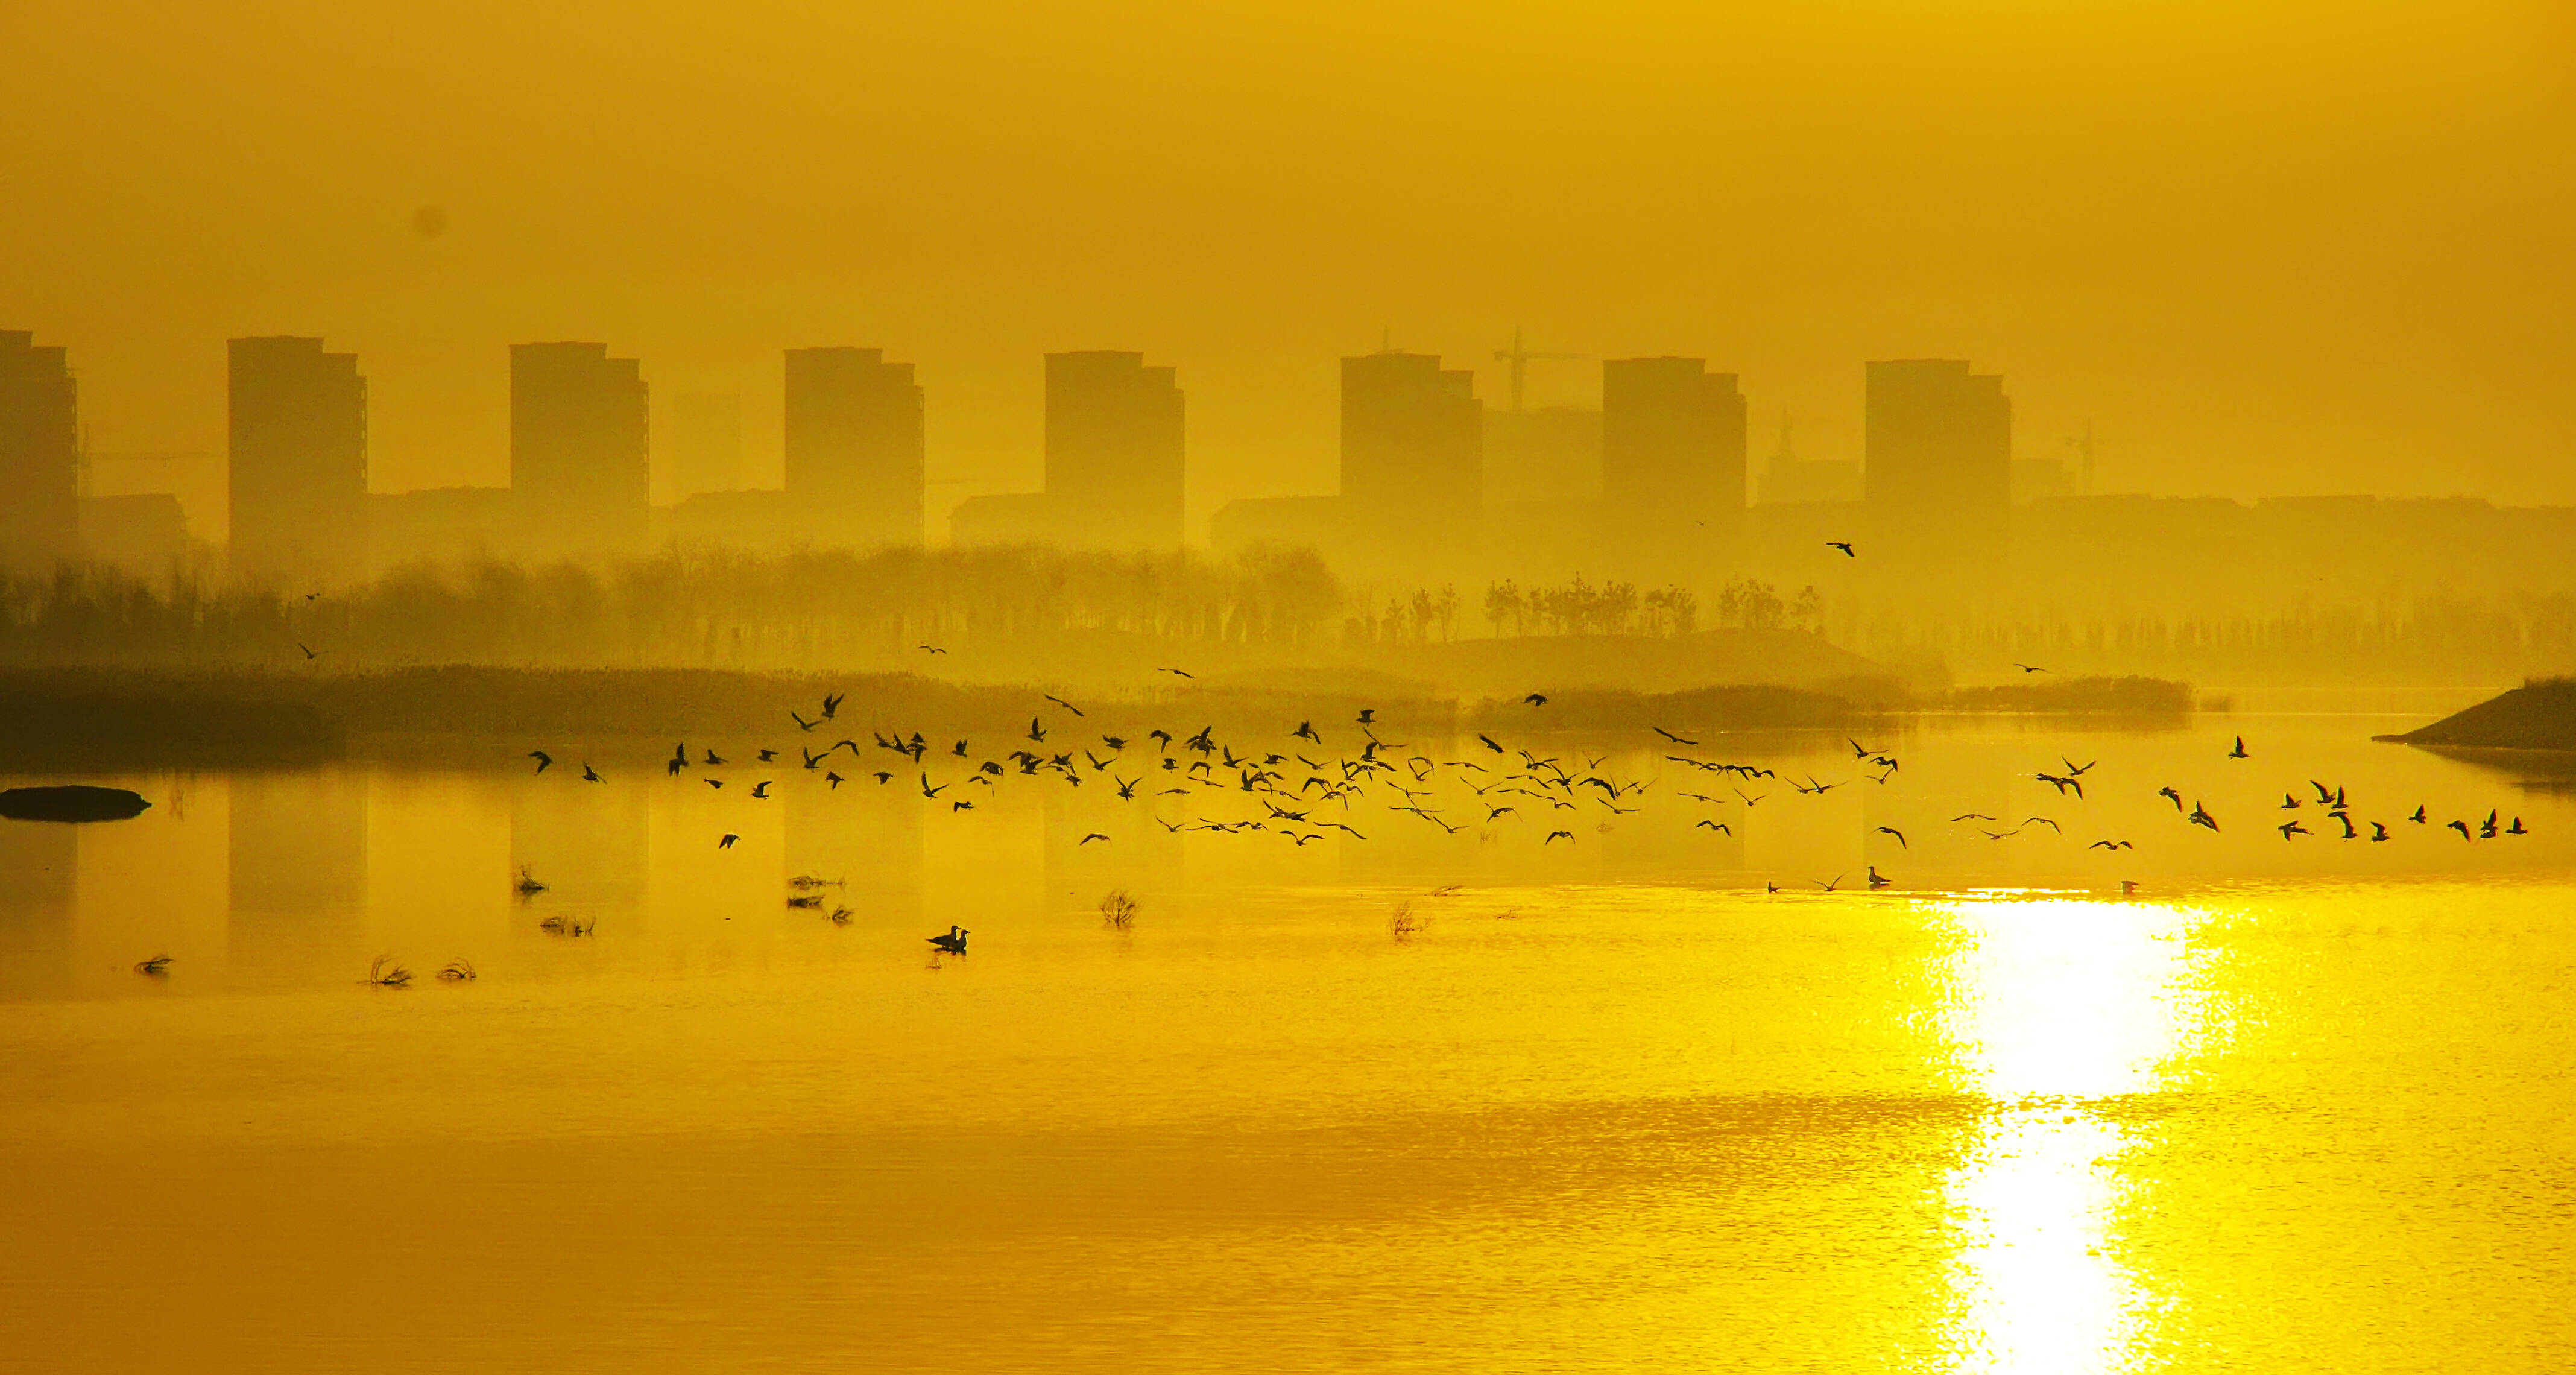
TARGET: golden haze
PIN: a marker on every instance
(2263, 248)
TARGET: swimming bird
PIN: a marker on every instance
(543, 759)
(1892, 831)
(1878, 880)
(953, 943)
(1843, 545)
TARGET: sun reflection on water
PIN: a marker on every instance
(2057, 1005)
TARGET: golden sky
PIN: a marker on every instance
(2262, 247)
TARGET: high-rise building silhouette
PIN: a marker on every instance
(855, 468)
(1939, 443)
(296, 420)
(1413, 446)
(1672, 460)
(1115, 459)
(579, 445)
(39, 454)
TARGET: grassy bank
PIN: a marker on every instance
(2539, 715)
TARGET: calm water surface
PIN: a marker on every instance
(2295, 1105)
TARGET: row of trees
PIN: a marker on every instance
(803, 609)
(1618, 608)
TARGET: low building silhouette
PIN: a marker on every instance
(144, 533)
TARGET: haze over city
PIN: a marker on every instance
(1167, 689)
(2266, 250)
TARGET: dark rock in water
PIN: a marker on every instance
(71, 802)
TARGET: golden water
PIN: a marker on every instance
(2296, 1105)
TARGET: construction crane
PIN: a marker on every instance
(1519, 359)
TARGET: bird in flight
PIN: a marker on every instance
(2462, 827)
(726, 842)
(2417, 818)
(2200, 817)
(1714, 826)
(2110, 845)
(1177, 672)
(1095, 835)
(929, 791)
(2030, 668)
(1037, 730)
(1843, 545)
(1068, 706)
(591, 775)
(2290, 828)
(1972, 816)
(1667, 735)
(715, 782)
(1536, 699)
(801, 722)
(930, 649)
(2168, 793)
(1555, 836)
(761, 790)
(832, 704)
(1892, 831)
(1306, 731)
(2239, 751)
(543, 759)
(309, 653)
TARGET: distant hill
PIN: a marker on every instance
(2539, 715)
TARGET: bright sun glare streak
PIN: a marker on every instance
(2055, 1001)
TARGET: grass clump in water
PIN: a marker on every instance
(1118, 910)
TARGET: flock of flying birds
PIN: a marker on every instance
(1297, 790)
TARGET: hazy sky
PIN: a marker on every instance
(2263, 247)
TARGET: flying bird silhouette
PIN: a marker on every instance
(543, 759)
(1843, 545)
